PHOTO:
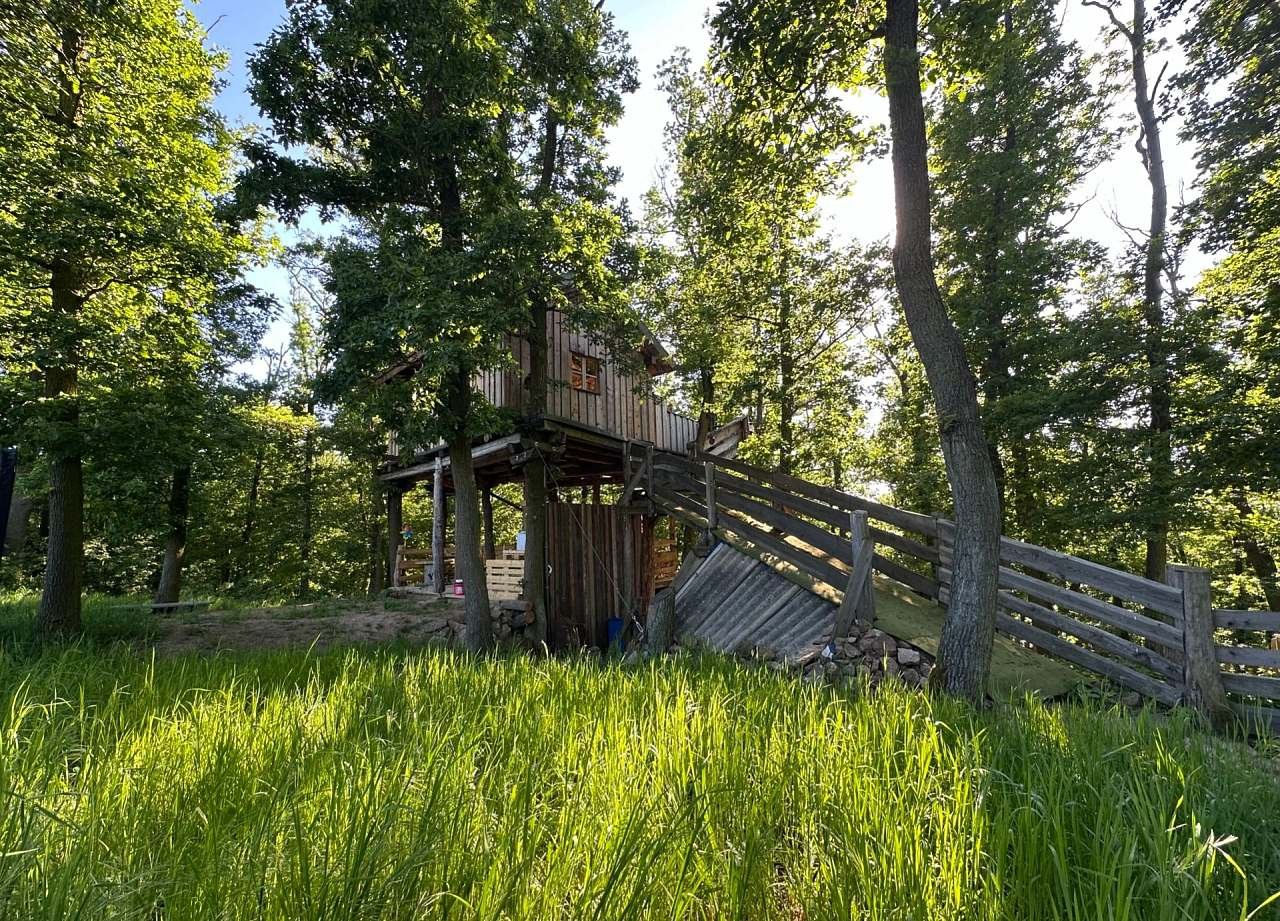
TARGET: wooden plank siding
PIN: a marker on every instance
(625, 407)
(587, 584)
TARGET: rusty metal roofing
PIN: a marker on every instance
(735, 603)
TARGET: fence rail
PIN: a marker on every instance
(1160, 639)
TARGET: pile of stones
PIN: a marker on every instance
(872, 652)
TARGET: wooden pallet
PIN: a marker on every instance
(504, 579)
(666, 561)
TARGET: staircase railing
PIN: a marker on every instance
(1160, 639)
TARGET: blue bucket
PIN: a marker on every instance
(613, 631)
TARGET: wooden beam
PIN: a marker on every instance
(439, 514)
(395, 524)
(486, 514)
(1264, 621)
(713, 514)
(859, 603)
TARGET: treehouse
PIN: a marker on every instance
(602, 424)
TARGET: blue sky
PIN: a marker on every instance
(657, 29)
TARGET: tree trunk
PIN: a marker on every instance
(1260, 558)
(707, 417)
(304, 541)
(1024, 504)
(378, 563)
(175, 544)
(15, 538)
(1158, 511)
(245, 555)
(964, 653)
(17, 509)
(535, 478)
(59, 611)
(786, 378)
(478, 635)
(995, 368)
(535, 472)
(1157, 353)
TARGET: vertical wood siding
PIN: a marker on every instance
(587, 584)
(624, 408)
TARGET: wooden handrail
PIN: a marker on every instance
(764, 507)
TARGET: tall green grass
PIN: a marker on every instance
(396, 784)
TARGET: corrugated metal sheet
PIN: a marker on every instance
(735, 603)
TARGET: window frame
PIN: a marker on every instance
(584, 373)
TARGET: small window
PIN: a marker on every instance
(584, 372)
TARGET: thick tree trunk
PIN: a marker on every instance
(175, 543)
(535, 478)
(964, 653)
(466, 522)
(59, 611)
(535, 471)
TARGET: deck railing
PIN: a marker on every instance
(1160, 639)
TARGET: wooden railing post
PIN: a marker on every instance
(395, 524)
(713, 517)
(946, 556)
(1202, 686)
(859, 602)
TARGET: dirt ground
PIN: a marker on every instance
(414, 620)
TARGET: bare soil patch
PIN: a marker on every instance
(328, 623)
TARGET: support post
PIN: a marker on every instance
(439, 515)
(859, 603)
(628, 566)
(661, 622)
(395, 524)
(713, 515)
(486, 512)
(1201, 680)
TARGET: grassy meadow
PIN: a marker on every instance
(399, 784)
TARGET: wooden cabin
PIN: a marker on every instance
(603, 421)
